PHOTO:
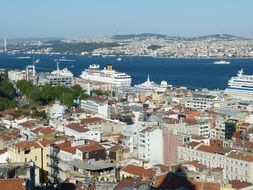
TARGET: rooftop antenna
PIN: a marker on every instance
(5, 45)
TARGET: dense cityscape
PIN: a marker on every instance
(155, 45)
(126, 95)
(97, 131)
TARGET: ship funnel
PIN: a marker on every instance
(109, 67)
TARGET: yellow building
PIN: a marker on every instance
(36, 151)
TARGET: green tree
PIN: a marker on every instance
(83, 96)
(47, 93)
(25, 87)
(77, 91)
(5, 103)
(35, 96)
(67, 99)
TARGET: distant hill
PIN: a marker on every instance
(176, 38)
(221, 37)
(27, 40)
(139, 36)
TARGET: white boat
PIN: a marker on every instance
(118, 59)
(24, 57)
(221, 62)
(107, 75)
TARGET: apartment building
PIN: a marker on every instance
(236, 165)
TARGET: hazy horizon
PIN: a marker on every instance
(83, 18)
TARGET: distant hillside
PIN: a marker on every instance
(27, 40)
(221, 37)
(139, 36)
(177, 38)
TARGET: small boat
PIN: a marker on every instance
(24, 57)
(118, 59)
(37, 61)
(221, 62)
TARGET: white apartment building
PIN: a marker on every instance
(96, 105)
(202, 129)
(200, 101)
(16, 75)
(150, 145)
(81, 132)
(236, 165)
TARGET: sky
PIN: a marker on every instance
(95, 18)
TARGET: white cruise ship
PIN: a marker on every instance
(107, 75)
(241, 86)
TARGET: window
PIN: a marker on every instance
(36, 158)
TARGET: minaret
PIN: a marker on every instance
(5, 45)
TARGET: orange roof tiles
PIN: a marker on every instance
(237, 184)
(46, 142)
(193, 144)
(47, 131)
(12, 111)
(26, 145)
(197, 165)
(28, 124)
(240, 156)
(139, 171)
(13, 184)
(90, 147)
(71, 150)
(190, 121)
(92, 120)
(209, 149)
(77, 127)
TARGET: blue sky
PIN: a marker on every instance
(86, 18)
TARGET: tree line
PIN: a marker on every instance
(43, 95)
(7, 93)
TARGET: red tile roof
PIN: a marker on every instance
(12, 111)
(92, 120)
(47, 131)
(90, 147)
(139, 171)
(209, 149)
(77, 127)
(240, 156)
(71, 150)
(12, 184)
(193, 144)
(197, 165)
(26, 145)
(237, 184)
